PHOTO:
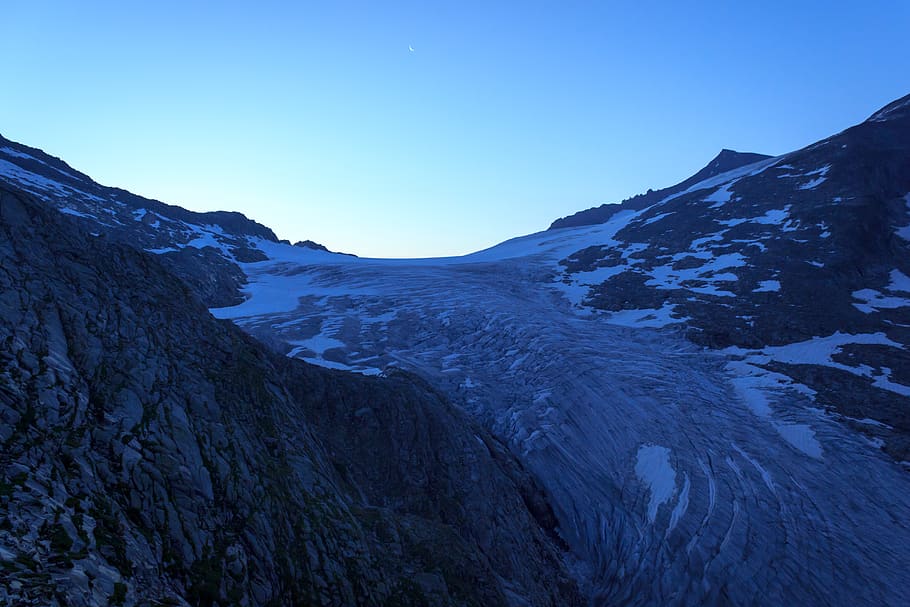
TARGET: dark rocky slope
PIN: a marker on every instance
(813, 244)
(153, 455)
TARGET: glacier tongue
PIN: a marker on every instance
(670, 488)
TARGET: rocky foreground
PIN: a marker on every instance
(154, 455)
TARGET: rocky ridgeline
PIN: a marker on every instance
(153, 455)
(203, 249)
(727, 160)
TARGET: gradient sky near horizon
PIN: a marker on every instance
(316, 119)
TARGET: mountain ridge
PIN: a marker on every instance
(234, 220)
(725, 160)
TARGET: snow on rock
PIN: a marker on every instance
(884, 382)
(657, 218)
(577, 287)
(648, 317)
(725, 179)
(772, 217)
(14, 153)
(720, 197)
(820, 177)
(767, 286)
(8, 151)
(820, 351)
(874, 300)
(39, 185)
(668, 277)
(811, 185)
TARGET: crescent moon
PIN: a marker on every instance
(410, 48)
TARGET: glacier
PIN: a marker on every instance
(679, 475)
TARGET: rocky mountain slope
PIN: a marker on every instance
(709, 382)
(798, 264)
(153, 455)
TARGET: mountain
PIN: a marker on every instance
(707, 383)
(797, 263)
(153, 455)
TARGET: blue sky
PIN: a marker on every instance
(315, 119)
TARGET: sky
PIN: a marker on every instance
(316, 118)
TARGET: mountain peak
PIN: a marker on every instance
(726, 160)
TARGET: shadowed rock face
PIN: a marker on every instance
(152, 453)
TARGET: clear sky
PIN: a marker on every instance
(316, 119)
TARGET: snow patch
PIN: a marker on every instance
(652, 466)
(874, 300)
(645, 318)
(728, 178)
(580, 283)
(772, 217)
(767, 286)
(14, 153)
(813, 184)
(820, 351)
(720, 197)
(900, 282)
(821, 177)
(651, 220)
(667, 277)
